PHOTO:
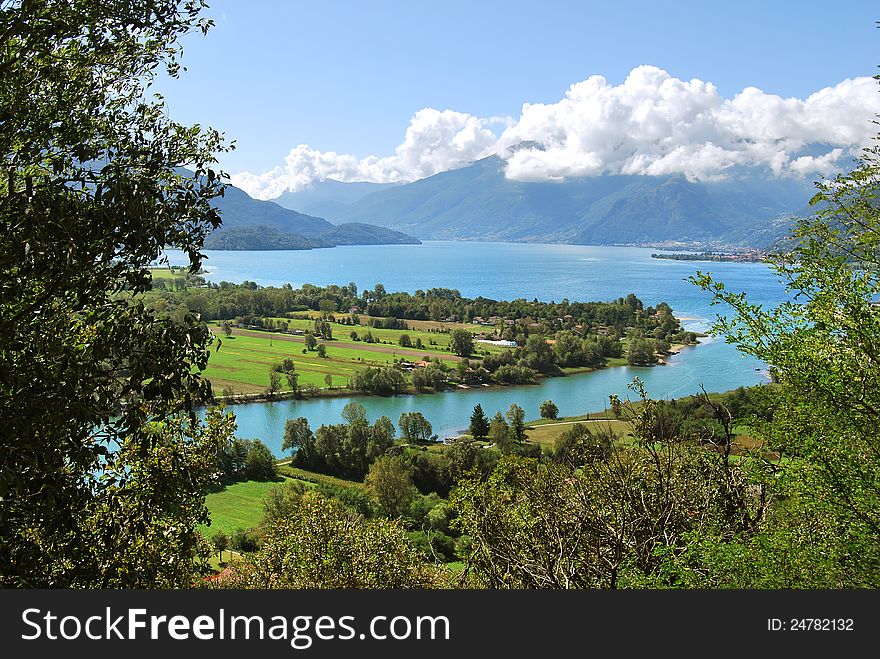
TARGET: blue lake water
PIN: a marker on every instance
(510, 271)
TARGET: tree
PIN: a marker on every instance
(500, 433)
(404, 341)
(243, 540)
(538, 355)
(414, 427)
(281, 500)
(641, 353)
(389, 480)
(479, 426)
(220, 542)
(274, 381)
(227, 329)
(328, 380)
(298, 436)
(320, 544)
(311, 341)
(322, 351)
(292, 380)
(384, 380)
(549, 410)
(462, 342)
(516, 416)
(825, 352)
(260, 463)
(94, 461)
(383, 432)
(354, 412)
(578, 446)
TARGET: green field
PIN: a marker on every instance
(545, 432)
(243, 360)
(237, 506)
(240, 505)
(417, 330)
(167, 272)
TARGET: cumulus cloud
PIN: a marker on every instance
(650, 124)
(654, 124)
(435, 141)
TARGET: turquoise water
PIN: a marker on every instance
(509, 271)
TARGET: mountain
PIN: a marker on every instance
(239, 209)
(329, 196)
(249, 224)
(356, 233)
(478, 203)
(261, 237)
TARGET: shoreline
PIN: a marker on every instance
(243, 399)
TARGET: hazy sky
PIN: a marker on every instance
(399, 90)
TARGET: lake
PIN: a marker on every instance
(510, 271)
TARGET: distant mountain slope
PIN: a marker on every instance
(249, 224)
(261, 237)
(327, 197)
(238, 209)
(478, 203)
(355, 233)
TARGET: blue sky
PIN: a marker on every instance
(348, 77)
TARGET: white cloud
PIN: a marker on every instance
(435, 141)
(655, 124)
(651, 124)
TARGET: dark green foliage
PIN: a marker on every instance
(101, 485)
(537, 355)
(500, 433)
(382, 380)
(244, 540)
(579, 445)
(434, 546)
(479, 426)
(246, 459)
(430, 472)
(281, 500)
(462, 342)
(432, 376)
(641, 352)
(260, 463)
(414, 427)
(260, 237)
(346, 450)
(220, 542)
(322, 544)
(549, 410)
(516, 416)
(514, 375)
(389, 481)
(823, 349)
(355, 499)
(600, 322)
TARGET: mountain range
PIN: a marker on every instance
(250, 224)
(478, 202)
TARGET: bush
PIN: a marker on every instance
(322, 545)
